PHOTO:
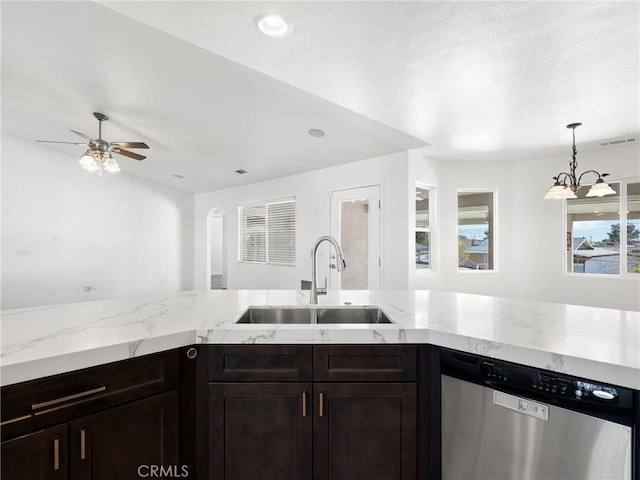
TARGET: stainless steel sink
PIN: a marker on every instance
(352, 315)
(323, 315)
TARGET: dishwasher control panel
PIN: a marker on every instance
(583, 395)
(533, 380)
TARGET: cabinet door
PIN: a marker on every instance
(260, 430)
(127, 442)
(364, 431)
(38, 456)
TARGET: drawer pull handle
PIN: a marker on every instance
(321, 406)
(304, 403)
(56, 401)
(13, 420)
(56, 453)
(83, 451)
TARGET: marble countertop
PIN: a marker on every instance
(595, 343)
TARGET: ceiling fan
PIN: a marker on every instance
(98, 155)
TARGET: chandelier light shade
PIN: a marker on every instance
(566, 185)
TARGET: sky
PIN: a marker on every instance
(595, 230)
(472, 231)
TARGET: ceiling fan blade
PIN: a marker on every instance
(52, 141)
(127, 153)
(130, 144)
(83, 135)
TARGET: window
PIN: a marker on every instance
(475, 230)
(424, 228)
(596, 243)
(633, 228)
(593, 233)
(268, 232)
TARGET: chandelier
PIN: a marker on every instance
(566, 185)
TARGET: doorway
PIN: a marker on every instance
(216, 265)
(355, 224)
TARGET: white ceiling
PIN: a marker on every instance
(196, 81)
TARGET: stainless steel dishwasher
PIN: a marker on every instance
(503, 421)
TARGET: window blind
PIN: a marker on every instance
(268, 233)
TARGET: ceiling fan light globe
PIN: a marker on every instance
(110, 165)
(91, 167)
(87, 159)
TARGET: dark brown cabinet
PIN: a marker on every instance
(262, 428)
(37, 456)
(110, 426)
(322, 412)
(126, 442)
(365, 431)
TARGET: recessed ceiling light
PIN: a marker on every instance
(177, 176)
(316, 132)
(273, 25)
(241, 171)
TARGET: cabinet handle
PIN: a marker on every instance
(83, 444)
(304, 403)
(56, 453)
(321, 406)
(56, 401)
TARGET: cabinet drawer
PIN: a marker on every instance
(31, 405)
(260, 363)
(354, 363)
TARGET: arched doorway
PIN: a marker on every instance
(216, 250)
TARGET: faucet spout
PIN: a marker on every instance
(340, 266)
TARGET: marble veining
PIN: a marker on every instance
(595, 343)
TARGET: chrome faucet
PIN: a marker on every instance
(340, 266)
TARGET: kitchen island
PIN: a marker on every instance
(596, 343)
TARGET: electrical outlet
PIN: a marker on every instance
(51, 291)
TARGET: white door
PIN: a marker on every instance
(355, 224)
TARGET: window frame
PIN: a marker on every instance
(492, 219)
(623, 205)
(430, 229)
(270, 217)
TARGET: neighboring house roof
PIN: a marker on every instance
(582, 247)
(422, 248)
(481, 247)
(581, 243)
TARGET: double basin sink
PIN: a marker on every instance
(314, 315)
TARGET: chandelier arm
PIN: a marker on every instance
(590, 171)
(564, 176)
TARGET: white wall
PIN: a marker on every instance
(312, 216)
(64, 229)
(530, 231)
(541, 233)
